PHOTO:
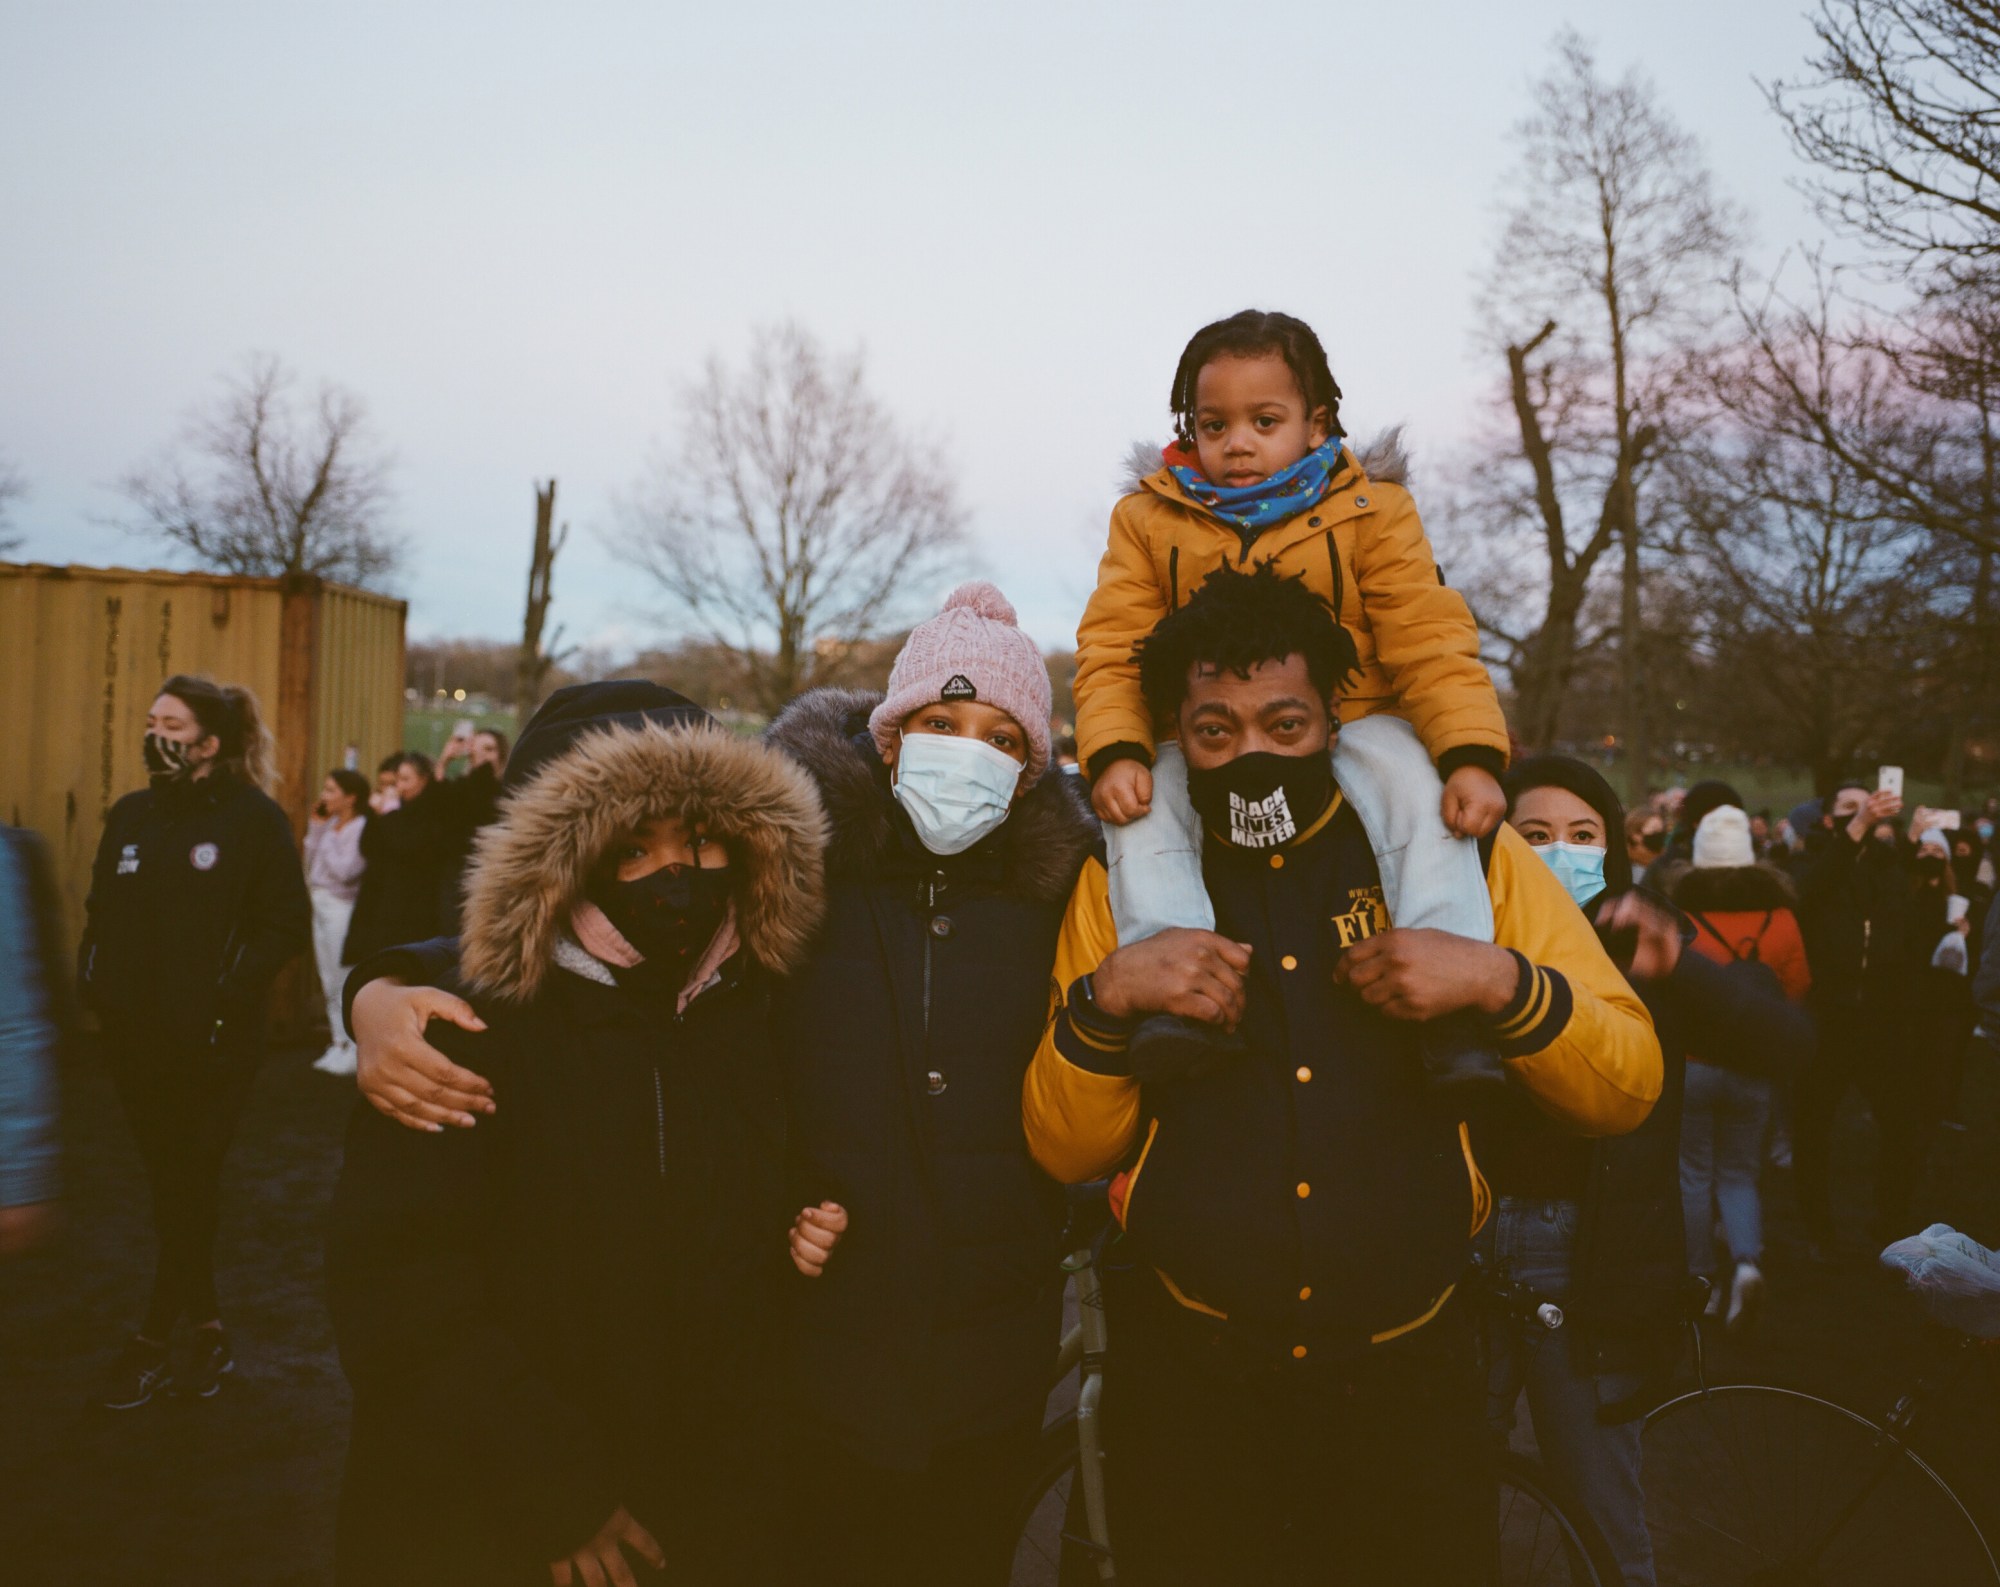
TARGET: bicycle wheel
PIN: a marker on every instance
(1753, 1486)
(1053, 1550)
(1544, 1538)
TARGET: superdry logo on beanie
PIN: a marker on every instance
(972, 650)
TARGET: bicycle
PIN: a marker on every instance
(1753, 1485)
(1542, 1537)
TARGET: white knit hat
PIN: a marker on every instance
(1722, 841)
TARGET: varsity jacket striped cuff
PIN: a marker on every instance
(1088, 1037)
(1535, 1016)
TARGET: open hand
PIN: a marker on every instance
(1124, 793)
(815, 1232)
(1417, 973)
(1881, 806)
(1659, 934)
(1473, 802)
(403, 1075)
(601, 1562)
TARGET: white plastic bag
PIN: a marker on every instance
(1956, 1278)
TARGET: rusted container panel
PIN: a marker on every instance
(84, 650)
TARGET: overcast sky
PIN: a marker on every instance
(514, 230)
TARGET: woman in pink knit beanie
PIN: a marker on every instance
(964, 726)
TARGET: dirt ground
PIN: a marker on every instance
(239, 1491)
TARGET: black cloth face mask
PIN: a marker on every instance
(1262, 800)
(167, 758)
(670, 916)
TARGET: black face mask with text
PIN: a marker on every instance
(670, 916)
(1262, 800)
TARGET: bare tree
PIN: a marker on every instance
(1613, 248)
(261, 487)
(532, 667)
(1823, 608)
(795, 519)
(1901, 114)
(12, 488)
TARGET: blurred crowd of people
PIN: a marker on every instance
(1881, 923)
(385, 864)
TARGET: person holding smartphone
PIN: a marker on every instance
(1857, 911)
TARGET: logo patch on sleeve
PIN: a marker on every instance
(128, 859)
(958, 688)
(203, 856)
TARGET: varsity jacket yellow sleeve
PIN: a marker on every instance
(1080, 1115)
(1122, 610)
(1576, 1036)
(1425, 638)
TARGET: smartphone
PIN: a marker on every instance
(1890, 781)
(463, 728)
(1946, 820)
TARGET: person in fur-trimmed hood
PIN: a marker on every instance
(557, 1326)
(918, 1350)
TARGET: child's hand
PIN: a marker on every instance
(1124, 793)
(1473, 802)
(815, 1232)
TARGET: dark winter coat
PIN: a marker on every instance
(906, 1036)
(196, 902)
(1629, 1273)
(468, 803)
(1858, 916)
(409, 860)
(571, 1307)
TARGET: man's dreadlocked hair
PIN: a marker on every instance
(1235, 621)
(1256, 333)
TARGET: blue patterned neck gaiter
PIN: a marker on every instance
(1252, 509)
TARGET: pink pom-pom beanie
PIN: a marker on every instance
(972, 650)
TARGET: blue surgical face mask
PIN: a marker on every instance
(1578, 867)
(956, 790)
(1985, 830)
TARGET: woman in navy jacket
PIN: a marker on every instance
(196, 902)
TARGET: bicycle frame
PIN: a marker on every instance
(1083, 1350)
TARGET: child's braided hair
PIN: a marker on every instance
(1255, 333)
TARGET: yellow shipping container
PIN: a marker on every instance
(83, 651)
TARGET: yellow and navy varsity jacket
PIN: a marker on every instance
(1308, 1191)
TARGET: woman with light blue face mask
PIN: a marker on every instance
(1592, 1225)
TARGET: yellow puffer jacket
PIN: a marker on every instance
(1362, 549)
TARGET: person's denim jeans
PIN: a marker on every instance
(1722, 1152)
(1429, 878)
(1599, 1464)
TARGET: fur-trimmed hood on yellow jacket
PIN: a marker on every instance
(1362, 549)
(530, 867)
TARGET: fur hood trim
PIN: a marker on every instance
(1733, 888)
(1043, 843)
(531, 865)
(1385, 460)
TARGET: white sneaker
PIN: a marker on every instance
(336, 1060)
(1746, 1294)
(1717, 1294)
